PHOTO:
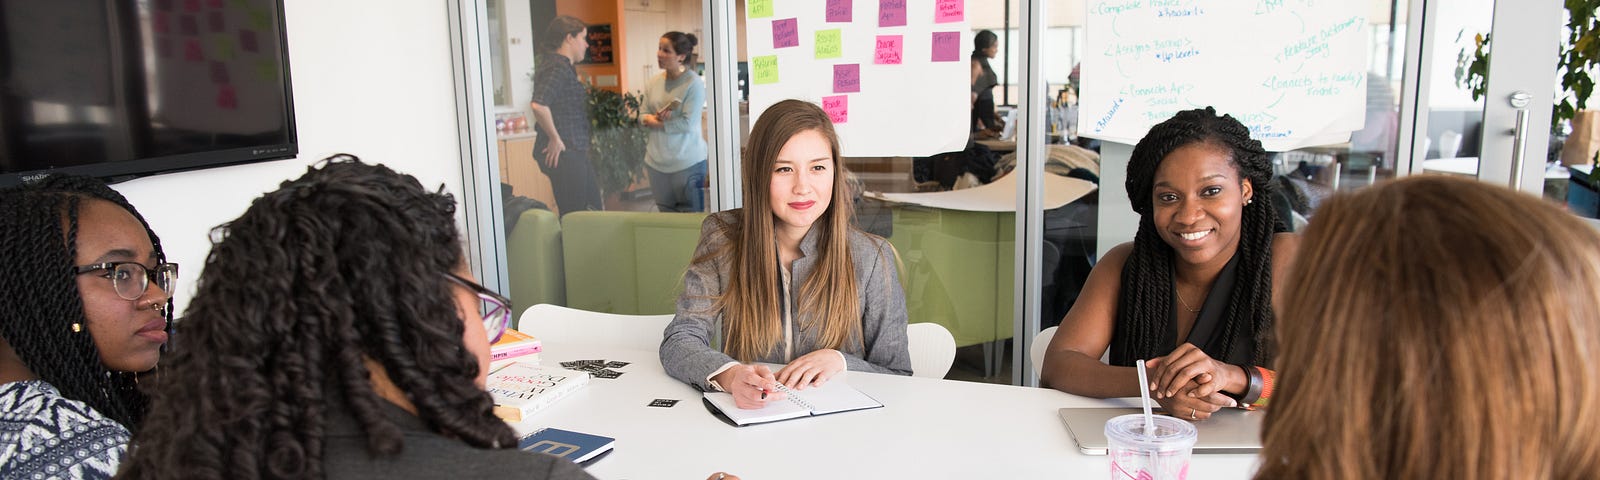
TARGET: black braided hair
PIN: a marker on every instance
(39, 297)
(343, 264)
(1145, 306)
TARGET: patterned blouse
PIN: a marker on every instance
(46, 435)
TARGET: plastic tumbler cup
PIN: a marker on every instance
(1163, 455)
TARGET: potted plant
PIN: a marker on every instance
(616, 140)
(1579, 54)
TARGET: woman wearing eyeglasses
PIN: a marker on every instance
(83, 310)
(336, 332)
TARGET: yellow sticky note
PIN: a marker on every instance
(758, 9)
(829, 44)
(764, 70)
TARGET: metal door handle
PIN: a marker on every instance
(1519, 139)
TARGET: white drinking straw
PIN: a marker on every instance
(1144, 394)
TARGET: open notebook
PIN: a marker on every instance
(832, 397)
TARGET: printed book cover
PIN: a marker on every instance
(574, 446)
(521, 390)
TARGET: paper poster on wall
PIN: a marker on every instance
(1299, 81)
(891, 74)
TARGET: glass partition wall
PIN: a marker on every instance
(990, 276)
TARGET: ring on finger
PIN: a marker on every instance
(1194, 414)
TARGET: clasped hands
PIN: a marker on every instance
(1189, 384)
(752, 385)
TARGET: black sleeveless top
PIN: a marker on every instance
(1207, 330)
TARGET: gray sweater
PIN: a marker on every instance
(692, 348)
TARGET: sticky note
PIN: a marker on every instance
(829, 44)
(837, 107)
(946, 46)
(758, 9)
(847, 78)
(891, 13)
(192, 51)
(887, 50)
(785, 33)
(764, 70)
(840, 10)
(946, 11)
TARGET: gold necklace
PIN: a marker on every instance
(1185, 304)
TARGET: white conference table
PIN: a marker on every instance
(928, 428)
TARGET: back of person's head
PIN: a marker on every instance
(344, 265)
(751, 298)
(683, 44)
(1439, 328)
(43, 316)
(558, 30)
(983, 41)
(1146, 296)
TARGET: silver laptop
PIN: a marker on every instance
(1230, 430)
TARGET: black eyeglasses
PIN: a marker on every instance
(132, 279)
(496, 308)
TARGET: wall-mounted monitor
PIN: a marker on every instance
(125, 88)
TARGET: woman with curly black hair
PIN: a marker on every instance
(79, 322)
(1194, 293)
(336, 333)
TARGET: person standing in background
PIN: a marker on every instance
(560, 107)
(984, 120)
(676, 151)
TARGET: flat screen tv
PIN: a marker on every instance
(125, 88)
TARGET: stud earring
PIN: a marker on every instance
(1247, 201)
(77, 327)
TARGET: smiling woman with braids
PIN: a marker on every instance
(78, 321)
(1194, 293)
(336, 332)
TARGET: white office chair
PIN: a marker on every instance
(555, 323)
(1036, 352)
(933, 349)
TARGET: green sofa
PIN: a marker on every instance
(628, 262)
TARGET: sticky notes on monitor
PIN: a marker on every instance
(829, 44)
(887, 49)
(764, 70)
(847, 78)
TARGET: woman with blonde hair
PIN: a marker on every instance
(787, 279)
(1439, 328)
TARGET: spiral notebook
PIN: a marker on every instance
(832, 397)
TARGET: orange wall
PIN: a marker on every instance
(595, 12)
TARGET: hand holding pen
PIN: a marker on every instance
(751, 385)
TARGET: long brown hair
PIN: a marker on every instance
(749, 304)
(1439, 328)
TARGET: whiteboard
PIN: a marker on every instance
(1293, 71)
(910, 104)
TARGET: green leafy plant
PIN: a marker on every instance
(616, 140)
(1580, 54)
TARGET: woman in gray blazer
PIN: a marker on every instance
(799, 286)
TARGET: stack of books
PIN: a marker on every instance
(516, 345)
(521, 390)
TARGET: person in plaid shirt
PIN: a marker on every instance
(560, 108)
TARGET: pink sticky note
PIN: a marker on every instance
(946, 11)
(891, 13)
(847, 78)
(887, 51)
(227, 98)
(838, 108)
(946, 46)
(785, 33)
(188, 25)
(840, 10)
(192, 51)
(191, 6)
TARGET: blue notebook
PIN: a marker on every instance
(574, 446)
